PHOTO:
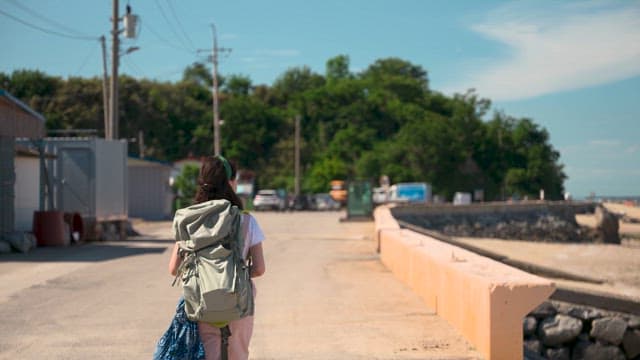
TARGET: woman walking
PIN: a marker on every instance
(216, 181)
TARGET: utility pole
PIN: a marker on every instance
(297, 158)
(115, 49)
(105, 90)
(141, 144)
(216, 116)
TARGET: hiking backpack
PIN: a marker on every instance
(216, 280)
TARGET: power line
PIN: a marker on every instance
(86, 60)
(133, 71)
(173, 30)
(45, 19)
(133, 66)
(168, 74)
(165, 41)
(175, 16)
(47, 31)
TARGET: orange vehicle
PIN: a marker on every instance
(338, 191)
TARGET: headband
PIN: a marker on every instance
(227, 166)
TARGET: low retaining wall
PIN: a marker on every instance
(537, 221)
(484, 299)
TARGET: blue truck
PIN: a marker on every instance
(415, 192)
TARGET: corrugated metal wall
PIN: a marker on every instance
(7, 181)
(27, 191)
(111, 179)
(18, 122)
(149, 192)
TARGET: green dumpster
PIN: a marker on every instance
(359, 200)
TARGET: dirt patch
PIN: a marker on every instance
(616, 264)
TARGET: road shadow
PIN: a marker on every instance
(142, 239)
(91, 251)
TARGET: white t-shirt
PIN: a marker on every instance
(254, 234)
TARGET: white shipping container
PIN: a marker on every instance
(88, 176)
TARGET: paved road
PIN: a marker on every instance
(325, 296)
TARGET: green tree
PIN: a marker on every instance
(406, 81)
(338, 68)
(77, 104)
(27, 84)
(199, 74)
(238, 85)
(322, 172)
(423, 150)
(250, 131)
(383, 120)
(185, 185)
(5, 81)
(289, 87)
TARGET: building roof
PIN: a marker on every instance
(25, 151)
(24, 148)
(19, 120)
(132, 161)
(188, 160)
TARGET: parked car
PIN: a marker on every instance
(304, 202)
(380, 196)
(284, 195)
(269, 199)
(324, 202)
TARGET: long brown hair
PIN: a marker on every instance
(213, 181)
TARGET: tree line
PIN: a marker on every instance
(383, 120)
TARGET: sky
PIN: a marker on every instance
(573, 67)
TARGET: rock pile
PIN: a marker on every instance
(535, 225)
(558, 331)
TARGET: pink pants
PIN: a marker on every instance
(241, 331)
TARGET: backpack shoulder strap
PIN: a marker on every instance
(241, 233)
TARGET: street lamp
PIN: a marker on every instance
(130, 50)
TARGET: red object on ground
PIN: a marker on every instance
(76, 226)
(48, 227)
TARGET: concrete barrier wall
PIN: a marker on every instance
(484, 299)
(563, 209)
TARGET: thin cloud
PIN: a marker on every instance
(278, 52)
(610, 146)
(229, 36)
(602, 172)
(265, 58)
(632, 149)
(605, 142)
(250, 59)
(560, 48)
